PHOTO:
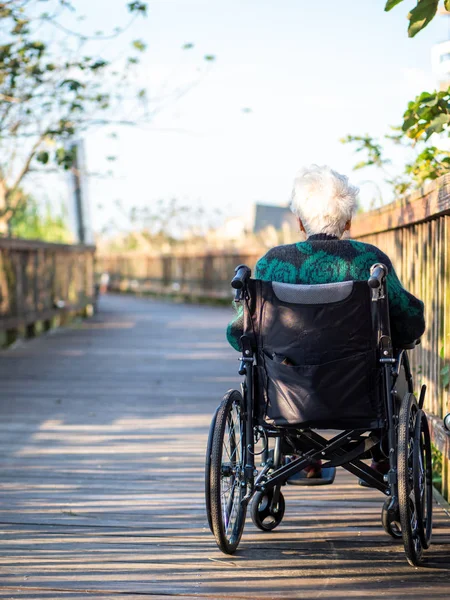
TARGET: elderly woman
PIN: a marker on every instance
(324, 202)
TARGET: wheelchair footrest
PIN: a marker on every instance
(326, 478)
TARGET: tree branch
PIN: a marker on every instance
(26, 166)
(9, 98)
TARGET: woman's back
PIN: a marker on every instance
(324, 258)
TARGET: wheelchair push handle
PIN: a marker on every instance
(377, 274)
(241, 274)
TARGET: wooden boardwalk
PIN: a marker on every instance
(103, 429)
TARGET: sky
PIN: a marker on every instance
(310, 73)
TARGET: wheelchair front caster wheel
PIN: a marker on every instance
(391, 521)
(264, 515)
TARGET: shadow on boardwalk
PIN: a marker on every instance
(103, 429)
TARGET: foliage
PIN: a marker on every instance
(49, 92)
(371, 147)
(29, 223)
(163, 224)
(427, 114)
(436, 457)
(445, 370)
(55, 84)
(420, 15)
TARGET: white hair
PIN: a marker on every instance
(323, 199)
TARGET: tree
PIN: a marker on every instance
(55, 88)
(421, 14)
(29, 222)
(427, 114)
(49, 93)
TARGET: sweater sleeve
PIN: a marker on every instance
(235, 328)
(406, 312)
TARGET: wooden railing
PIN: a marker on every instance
(41, 283)
(196, 275)
(415, 234)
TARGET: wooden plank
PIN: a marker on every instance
(102, 437)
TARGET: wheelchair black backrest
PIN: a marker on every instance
(316, 354)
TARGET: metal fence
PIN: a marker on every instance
(40, 281)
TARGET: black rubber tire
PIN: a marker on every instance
(260, 510)
(422, 464)
(408, 512)
(390, 522)
(230, 410)
(208, 470)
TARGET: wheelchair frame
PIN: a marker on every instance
(406, 432)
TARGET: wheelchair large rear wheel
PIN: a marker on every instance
(423, 482)
(208, 470)
(414, 479)
(226, 473)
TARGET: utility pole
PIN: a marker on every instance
(79, 212)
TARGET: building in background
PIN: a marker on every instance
(270, 215)
(267, 225)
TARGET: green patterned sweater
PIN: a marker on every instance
(326, 259)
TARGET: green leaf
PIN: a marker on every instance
(138, 7)
(437, 125)
(408, 123)
(65, 157)
(445, 376)
(421, 15)
(210, 57)
(98, 64)
(42, 157)
(361, 165)
(187, 46)
(429, 99)
(72, 84)
(391, 3)
(447, 5)
(139, 45)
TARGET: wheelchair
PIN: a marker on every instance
(318, 357)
